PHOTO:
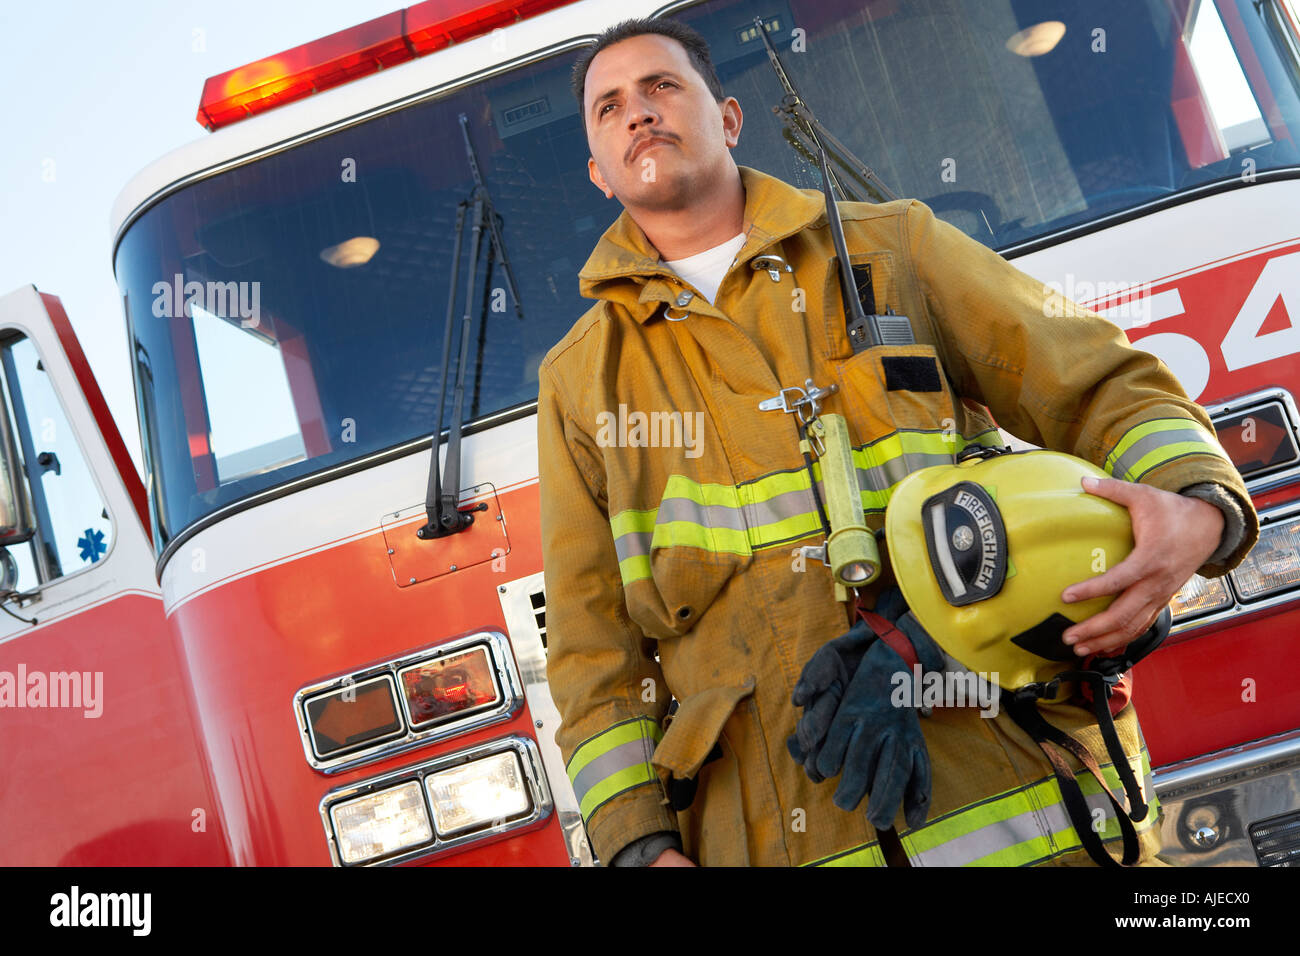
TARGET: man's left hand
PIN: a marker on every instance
(1172, 534)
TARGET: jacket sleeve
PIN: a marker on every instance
(606, 683)
(1060, 376)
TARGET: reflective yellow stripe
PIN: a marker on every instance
(869, 855)
(671, 534)
(1167, 453)
(612, 762)
(1155, 442)
(634, 569)
(631, 520)
(1008, 829)
(787, 529)
(769, 486)
(773, 509)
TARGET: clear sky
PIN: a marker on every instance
(93, 92)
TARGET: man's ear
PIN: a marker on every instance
(593, 171)
(732, 119)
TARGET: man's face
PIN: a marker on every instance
(659, 141)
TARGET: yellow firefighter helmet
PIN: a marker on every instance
(982, 550)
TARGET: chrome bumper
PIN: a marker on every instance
(1214, 805)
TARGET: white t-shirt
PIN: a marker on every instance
(706, 269)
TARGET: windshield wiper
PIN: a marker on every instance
(864, 327)
(802, 124)
(440, 501)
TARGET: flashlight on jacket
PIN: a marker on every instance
(851, 549)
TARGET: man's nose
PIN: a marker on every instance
(640, 113)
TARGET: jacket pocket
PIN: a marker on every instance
(898, 388)
(694, 730)
(713, 827)
(699, 539)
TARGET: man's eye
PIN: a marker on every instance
(603, 109)
(664, 83)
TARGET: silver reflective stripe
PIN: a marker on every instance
(745, 519)
(1021, 828)
(630, 754)
(788, 504)
(633, 544)
(1149, 443)
(964, 850)
(884, 476)
(708, 516)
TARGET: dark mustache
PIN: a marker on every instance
(669, 137)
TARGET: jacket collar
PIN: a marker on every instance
(626, 269)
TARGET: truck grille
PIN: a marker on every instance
(538, 600)
(1277, 840)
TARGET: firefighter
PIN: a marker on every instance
(681, 607)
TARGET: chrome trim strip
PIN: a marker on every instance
(1228, 766)
(509, 703)
(538, 793)
(1244, 403)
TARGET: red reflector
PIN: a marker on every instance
(449, 685)
(435, 24)
(293, 74)
(354, 52)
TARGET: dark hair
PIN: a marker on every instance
(696, 48)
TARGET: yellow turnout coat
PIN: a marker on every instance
(673, 508)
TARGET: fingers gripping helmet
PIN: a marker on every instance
(982, 550)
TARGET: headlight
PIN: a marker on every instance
(479, 794)
(1273, 564)
(381, 823)
(487, 791)
(1200, 596)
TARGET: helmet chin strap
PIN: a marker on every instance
(1101, 675)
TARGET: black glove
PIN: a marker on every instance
(849, 722)
(823, 681)
(820, 688)
(879, 746)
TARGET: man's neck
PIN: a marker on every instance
(679, 233)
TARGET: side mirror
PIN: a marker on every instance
(16, 523)
(8, 574)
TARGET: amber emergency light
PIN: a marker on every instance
(357, 51)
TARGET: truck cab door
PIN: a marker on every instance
(102, 764)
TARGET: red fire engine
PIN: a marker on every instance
(276, 649)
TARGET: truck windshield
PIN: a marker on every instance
(286, 314)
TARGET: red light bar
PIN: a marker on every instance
(293, 74)
(357, 51)
(435, 24)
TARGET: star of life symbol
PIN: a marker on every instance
(92, 545)
(963, 538)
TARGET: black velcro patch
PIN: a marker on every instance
(911, 373)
